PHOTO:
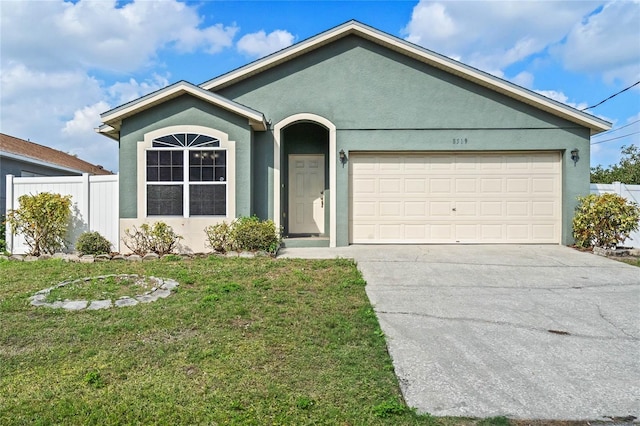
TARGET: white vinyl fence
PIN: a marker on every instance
(631, 193)
(94, 205)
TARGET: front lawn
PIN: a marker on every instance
(241, 341)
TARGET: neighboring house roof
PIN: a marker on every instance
(112, 119)
(12, 147)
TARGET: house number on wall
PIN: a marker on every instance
(459, 141)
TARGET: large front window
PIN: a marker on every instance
(186, 176)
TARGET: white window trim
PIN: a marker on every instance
(147, 144)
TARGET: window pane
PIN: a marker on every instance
(152, 174)
(194, 158)
(221, 158)
(221, 174)
(181, 138)
(207, 158)
(164, 174)
(164, 200)
(207, 174)
(165, 158)
(177, 158)
(177, 173)
(208, 200)
(152, 158)
(194, 174)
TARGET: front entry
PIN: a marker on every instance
(306, 194)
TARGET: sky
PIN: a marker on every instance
(63, 63)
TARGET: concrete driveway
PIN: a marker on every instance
(533, 332)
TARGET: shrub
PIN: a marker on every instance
(157, 238)
(247, 233)
(604, 220)
(251, 234)
(219, 237)
(43, 220)
(92, 243)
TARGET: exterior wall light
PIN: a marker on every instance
(575, 156)
(343, 157)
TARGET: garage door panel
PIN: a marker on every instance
(390, 185)
(466, 185)
(440, 185)
(439, 208)
(519, 186)
(448, 198)
(491, 185)
(543, 185)
(415, 186)
(413, 209)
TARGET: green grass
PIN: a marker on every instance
(242, 341)
(101, 288)
(635, 261)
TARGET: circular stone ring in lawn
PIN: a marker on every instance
(103, 292)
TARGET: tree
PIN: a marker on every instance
(628, 171)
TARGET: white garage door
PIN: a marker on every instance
(455, 198)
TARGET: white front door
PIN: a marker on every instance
(306, 194)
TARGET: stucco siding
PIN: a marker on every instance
(184, 110)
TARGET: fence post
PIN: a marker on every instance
(617, 187)
(9, 206)
(85, 205)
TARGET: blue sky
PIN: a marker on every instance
(64, 63)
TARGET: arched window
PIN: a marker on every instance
(186, 175)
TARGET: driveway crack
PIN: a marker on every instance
(628, 337)
(607, 320)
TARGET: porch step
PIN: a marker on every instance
(305, 242)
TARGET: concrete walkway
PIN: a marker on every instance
(532, 332)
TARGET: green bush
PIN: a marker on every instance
(604, 220)
(157, 238)
(219, 237)
(247, 233)
(42, 220)
(93, 243)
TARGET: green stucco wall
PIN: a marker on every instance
(184, 110)
(380, 100)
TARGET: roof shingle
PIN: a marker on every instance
(29, 149)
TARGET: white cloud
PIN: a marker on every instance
(101, 35)
(85, 119)
(561, 97)
(606, 42)
(123, 92)
(524, 79)
(492, 35)
(260, 44)
(53, 51)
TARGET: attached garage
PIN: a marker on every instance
(471, 197)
